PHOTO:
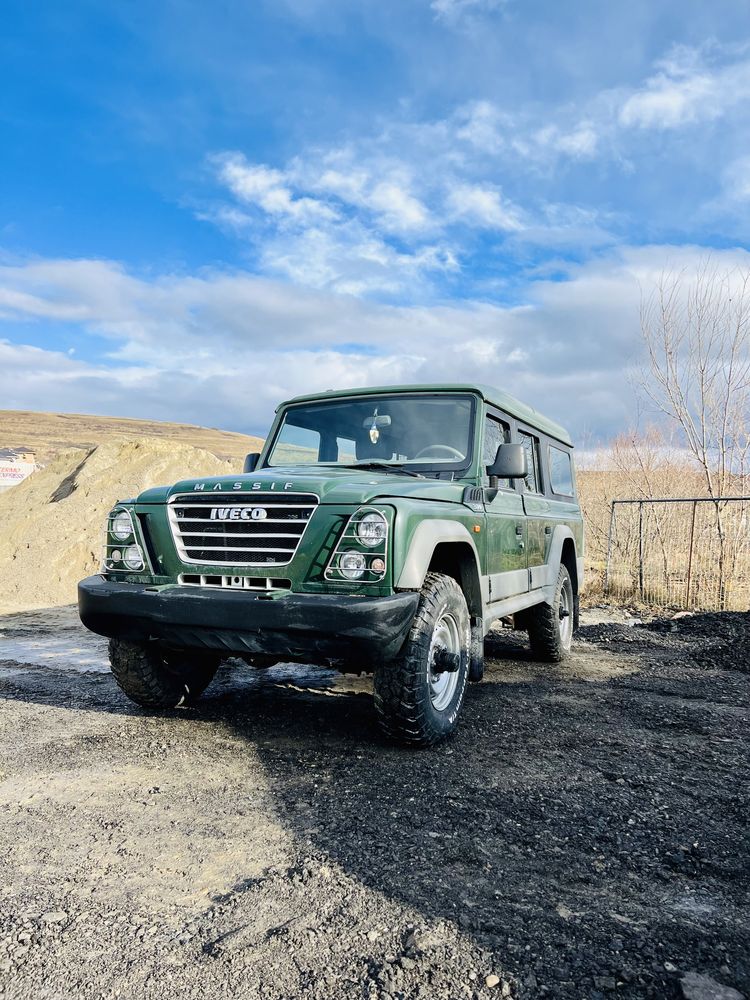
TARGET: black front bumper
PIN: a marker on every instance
(363, 631)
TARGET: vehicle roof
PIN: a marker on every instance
(503, 400)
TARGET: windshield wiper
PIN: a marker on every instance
(382, 467)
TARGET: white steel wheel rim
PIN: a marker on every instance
(447, 635)
(565, 612)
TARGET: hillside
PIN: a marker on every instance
(48, 434)
(52, 523)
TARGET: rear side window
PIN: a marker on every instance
(533, 480)
(560, 472)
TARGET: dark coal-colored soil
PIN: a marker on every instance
(585, 835)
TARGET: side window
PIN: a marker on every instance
(495, 433)
(296, 446)
(533, 481)
(346, 450)
(560, 472)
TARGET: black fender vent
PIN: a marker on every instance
(473, 496)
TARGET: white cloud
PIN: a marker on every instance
(257, 184)
(484, 207)
(389, 214)
(484, 126)
(407, 201)
(398, 209)
(686, 90)
(452, 10)
(224, 348)
(581, 142)
(354, 261)
(335, 220)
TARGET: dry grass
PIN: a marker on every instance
(646, 468)
(48, 434)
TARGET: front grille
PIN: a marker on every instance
(258, 529)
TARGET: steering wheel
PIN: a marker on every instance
(441, 449)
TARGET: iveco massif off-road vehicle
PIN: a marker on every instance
(380, 530)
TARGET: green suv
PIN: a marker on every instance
(381, 530)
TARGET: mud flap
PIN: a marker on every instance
(476, 657)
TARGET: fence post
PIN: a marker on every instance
(640, 548)
(690, 557)
(610, 539)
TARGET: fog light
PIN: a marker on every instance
(378, 565)
(115, 556)
(133, 557)
(352, 565)
(121, 525)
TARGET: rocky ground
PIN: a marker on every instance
(584, 836)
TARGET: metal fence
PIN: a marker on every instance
(691, 553)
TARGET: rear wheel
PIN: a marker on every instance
(156, 678)
(551, 625)
(418, 697)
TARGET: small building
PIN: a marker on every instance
(15, 465)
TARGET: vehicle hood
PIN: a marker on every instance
(334, 486)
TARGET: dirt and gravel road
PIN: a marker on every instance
(585, 835)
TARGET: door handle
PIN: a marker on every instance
(519, 529)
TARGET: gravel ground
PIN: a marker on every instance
(584, 836)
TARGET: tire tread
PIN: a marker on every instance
(399, 701)
(141, 672)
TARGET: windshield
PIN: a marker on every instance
(418, 432)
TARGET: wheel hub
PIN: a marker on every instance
(445, 660)
(565, 612)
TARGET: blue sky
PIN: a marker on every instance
(205, 208)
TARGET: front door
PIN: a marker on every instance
(506, 525)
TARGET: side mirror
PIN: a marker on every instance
(251, 461)
(510, 462)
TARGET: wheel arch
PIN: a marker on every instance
(444, 547)
(569, 561)
(562, 551)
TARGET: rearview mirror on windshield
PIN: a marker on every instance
(376, 421)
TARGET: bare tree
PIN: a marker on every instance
(696, 329)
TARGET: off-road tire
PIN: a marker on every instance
(549, 640)
(404, 697)
(154, 678)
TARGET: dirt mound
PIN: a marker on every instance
(714, 641)
(720, 642)
(52, 524)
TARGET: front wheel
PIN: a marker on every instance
(156, 678)
(551, 625)
(418, 697)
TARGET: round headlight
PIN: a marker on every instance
(352, 565)
(371, 529)
(133, 557)
(121, 526)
